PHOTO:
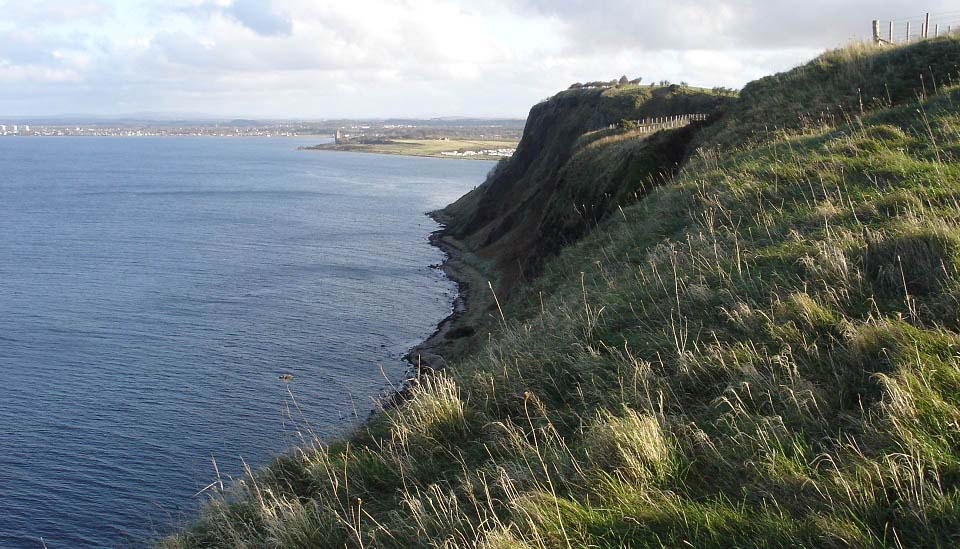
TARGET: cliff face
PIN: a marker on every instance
(570, 171)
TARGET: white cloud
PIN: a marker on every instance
(260, 16)
(317, 58)
(54, 11)
(722, 24)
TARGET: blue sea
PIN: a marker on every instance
(152, 290)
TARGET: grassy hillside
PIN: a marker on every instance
(833, 89)
(762, 350)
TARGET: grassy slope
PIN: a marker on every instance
(762, 352)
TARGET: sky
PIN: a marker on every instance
(311, 59)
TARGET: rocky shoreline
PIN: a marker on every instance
(455, 332)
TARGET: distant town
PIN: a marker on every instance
(493, 130)
(28, 130)
(502, 152)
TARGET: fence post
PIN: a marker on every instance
(876, 31)
(890, 33)
(926, 26)
(936, 30)
(908, 31)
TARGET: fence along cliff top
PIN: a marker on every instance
(899, 31)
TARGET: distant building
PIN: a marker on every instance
(337, 138)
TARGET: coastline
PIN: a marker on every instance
(453, 335)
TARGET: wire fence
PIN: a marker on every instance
(662, 122)
(908, 29)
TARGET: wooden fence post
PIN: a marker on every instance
(926, 26)
(890, 33)
(908, 31)
(936, 30)
(876, 31)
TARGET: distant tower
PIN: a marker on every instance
(337, 137)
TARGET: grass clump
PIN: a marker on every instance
(435, 413)
(632, 446)
(918, 262)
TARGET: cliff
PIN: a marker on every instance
(570, 171)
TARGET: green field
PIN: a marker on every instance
(424, 147)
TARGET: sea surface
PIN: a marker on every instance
(152, 290)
